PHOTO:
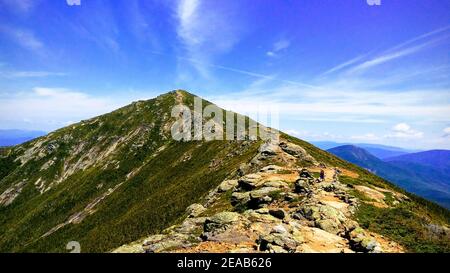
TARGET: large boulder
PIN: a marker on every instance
(302, 186)
(278, 213)
(276, 184)
(297, 151)
(250, 182)
(268, 149)
(277, 242)
(360, 241)
(227, 185)
(271, 169)
(221, 221)
(195, 210)
(162, 243)
(325, 217)
(240, 198)
(262, 196)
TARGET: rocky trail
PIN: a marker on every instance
(278, 208)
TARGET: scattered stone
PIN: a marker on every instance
(271, 169)
(279, 229)
(249, 182)
(227, 185)
(240, 198)
(221, 221)
(303, 173)
(160, 243)
(276, 184)
(301, 186)
(262, 211)
(268, 149)
(277, 242)
(296, 151)
(325, 217)
(195, 210)
(278, 213)
(361, 242)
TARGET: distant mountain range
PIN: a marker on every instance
(378, 150)
(424, 173)
(13, 137)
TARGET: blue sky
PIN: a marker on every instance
(336, 70)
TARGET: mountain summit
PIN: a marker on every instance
(120, 182)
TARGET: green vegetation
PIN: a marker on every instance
(7, 164)
(404, 226)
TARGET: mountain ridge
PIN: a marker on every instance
(118, 177)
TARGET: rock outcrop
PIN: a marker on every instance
(278, 209)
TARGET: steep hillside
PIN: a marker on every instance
(421, 179)
(120, 177)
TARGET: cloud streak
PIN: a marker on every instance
(24, 37)
(205, 31)
(357, 65)
(30, 74)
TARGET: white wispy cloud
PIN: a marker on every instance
(278, 46)
(414, 45)
(24, 37)
(395, 55)
(49, 108)
(20, 6)
(370, 137)
(30, 74)
(342, 104)
(343, 65)
(206, 32)
(446, 132)
(404, 130)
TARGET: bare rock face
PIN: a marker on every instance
(8, 196)
(297, 151)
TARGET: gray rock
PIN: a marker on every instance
(278, 213)
(221, 221)
(361, 242)
(271, 169)
(240, 198)
(268, 149)
(161, 243)
(279, 229)
(277, 241)
(227, 185)
(296, 151)
(276, 184)
(302, 186)
(195, 210)
(249, 182)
